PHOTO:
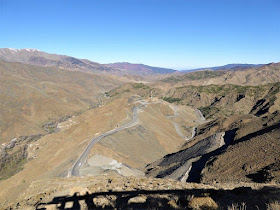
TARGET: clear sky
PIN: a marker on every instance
(178, 34)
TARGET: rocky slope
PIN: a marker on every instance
(125, 152)
(32, 96)
(109, 192)
(213, 100)
(40, 58)
(37, 57)
(220, 100)
(248, 153)
(253, 155)
(53, 155)
(153, 137)
(261, 75)
(50, 114)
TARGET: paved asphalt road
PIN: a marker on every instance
(75, 170)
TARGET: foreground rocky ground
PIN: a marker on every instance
(116, 192)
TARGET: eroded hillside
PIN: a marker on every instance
(227, 150)
(61, 123)
(261, 75)
(32, 96)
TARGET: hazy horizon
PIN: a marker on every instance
(171, 34)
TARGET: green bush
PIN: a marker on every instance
(171, 100)
(140, 86)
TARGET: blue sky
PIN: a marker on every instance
(178, 34)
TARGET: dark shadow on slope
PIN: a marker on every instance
(181, 157)
(261, 176)
(265, 174)
(258, 133)
(197, 167)
(166, 199)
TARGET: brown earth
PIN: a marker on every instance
(213, 100)
(261, 75)
(148, 193)
(154, 137)
(253, 157)
(54, 154)
(238, 146)
(250, 153)
(32, 96)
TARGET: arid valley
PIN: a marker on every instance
(140, 104)
(72, 127)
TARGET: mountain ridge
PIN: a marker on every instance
(141, 67)
(231, 66)
(37, 57)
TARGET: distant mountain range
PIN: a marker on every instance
(141, 68)
(231, 67)
(37, 57)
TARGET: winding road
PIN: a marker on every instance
(75, 169)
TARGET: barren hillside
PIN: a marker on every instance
(32, 96)
(261, 75)
(213, 127)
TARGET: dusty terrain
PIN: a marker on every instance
(248, 153)
(131, 192)
(214, 101)
(253, 157)
(54, 154)
(32, 96)
(49, 115)
(253, 76)
(151, 139)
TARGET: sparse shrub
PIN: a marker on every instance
(207, 111)
(235, 206)
(203, 75)
(171, 79)
(275, 205)
(140, 86)
(171, 100)
(203, 203)
(126, 91)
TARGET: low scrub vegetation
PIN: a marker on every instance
(140, 86)
(221, 90)
(208, 111)
(171, 100)
(203, 75)
(242, 206)
(275, 205)
(194, 76)
(171, 79)
(11, 163)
